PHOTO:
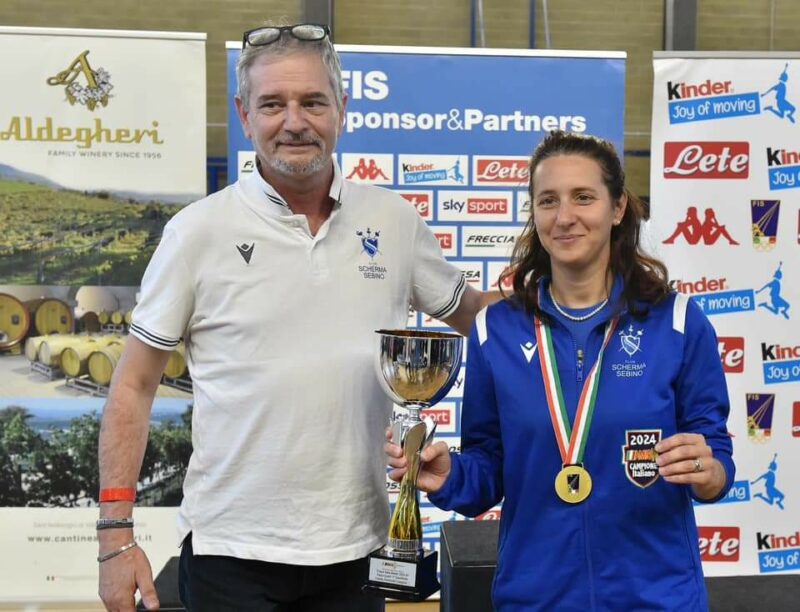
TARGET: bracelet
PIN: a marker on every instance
(120, 494)
(114, 553)
(114, 523)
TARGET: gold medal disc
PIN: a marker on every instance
(573, 484)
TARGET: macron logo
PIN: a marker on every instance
(529, 350)
(246, 251)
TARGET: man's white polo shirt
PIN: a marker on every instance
(289, 419)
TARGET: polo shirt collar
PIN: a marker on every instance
(278, 206)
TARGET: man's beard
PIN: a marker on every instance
(300, 168)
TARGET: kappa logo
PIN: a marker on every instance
(94, 92)
(369, 242)
(693, 230)
(246, 251)
(529, 350)
(639, 456)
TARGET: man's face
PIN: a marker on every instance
(292, 116)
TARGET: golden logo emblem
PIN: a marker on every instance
(94, 92)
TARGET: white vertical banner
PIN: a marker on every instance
(102, 140)
(725, 202)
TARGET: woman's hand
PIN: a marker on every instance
(435, 466)
(685, 458)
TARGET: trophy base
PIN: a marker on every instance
(402, 579)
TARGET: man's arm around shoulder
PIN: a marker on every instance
(471, 304)
(123, 439)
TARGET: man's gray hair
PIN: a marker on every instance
(289, 45)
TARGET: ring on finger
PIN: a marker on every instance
(698, 465)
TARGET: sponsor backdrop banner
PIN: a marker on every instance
(725, 192)
(101, 142)
(451, 131)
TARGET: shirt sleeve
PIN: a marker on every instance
(437, 285)
(475, 483)
(702, 393)
(166, 298)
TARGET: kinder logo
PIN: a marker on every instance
(781, 363)
(719, 544)
(706, 160)
(783, 168)
(421, 200)
(731, 353)
(778, 553)
(708, 101)
(712, 297)
(683, 91)
(500, 170)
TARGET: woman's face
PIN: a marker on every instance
(574, 212)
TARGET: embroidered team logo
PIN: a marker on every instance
(529, 350)
(765, 223)
(246, 251)
(369, 242)
(639, 456)
(631, 340)
(94, 92)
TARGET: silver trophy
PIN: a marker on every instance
(416, 369)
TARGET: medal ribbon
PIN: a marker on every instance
(571, 439)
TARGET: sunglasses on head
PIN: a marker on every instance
(266, 35)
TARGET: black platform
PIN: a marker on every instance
(469, 557)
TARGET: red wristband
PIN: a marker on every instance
(121, 494)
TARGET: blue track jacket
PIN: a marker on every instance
(633, 544)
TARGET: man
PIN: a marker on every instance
(277, 284)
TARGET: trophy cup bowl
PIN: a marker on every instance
(416, 369)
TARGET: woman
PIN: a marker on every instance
(595, 406)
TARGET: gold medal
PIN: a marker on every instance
(573, 484)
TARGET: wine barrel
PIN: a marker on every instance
(32, 345)
(15, 321)
(104, 317)
(128, 317)
(176, 364)
(75, 358)
(117, 317)
(89, 322)
(50, 349)
(50, 315)
(102, 362)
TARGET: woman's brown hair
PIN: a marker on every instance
(644, 277)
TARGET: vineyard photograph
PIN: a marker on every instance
(68, 237)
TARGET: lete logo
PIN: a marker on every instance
(731, 353)
(706, 160)
(719, 543)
